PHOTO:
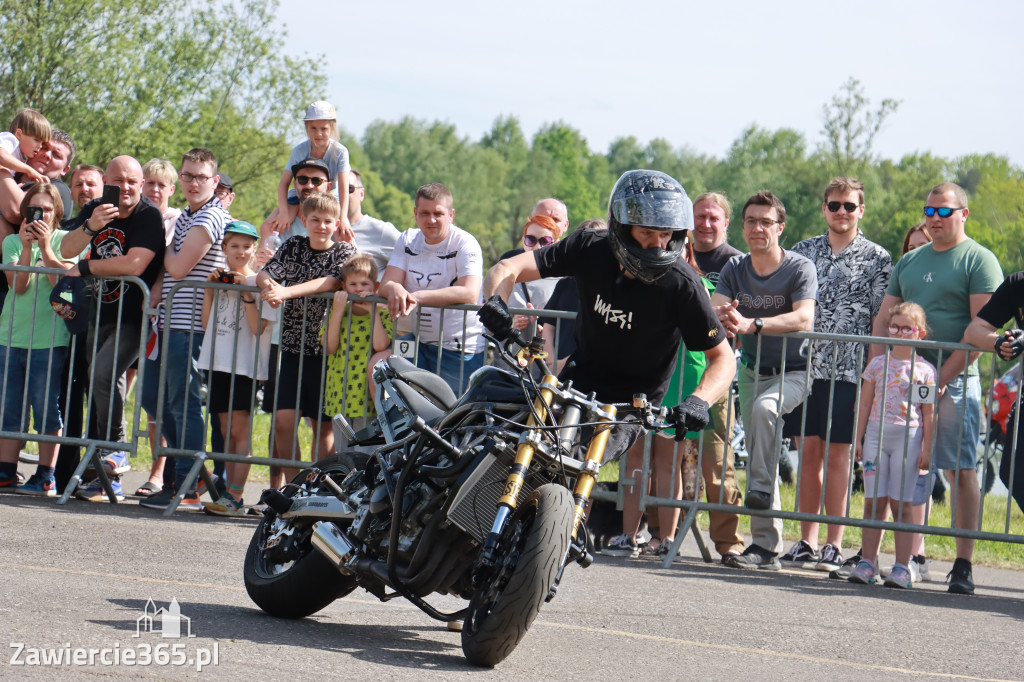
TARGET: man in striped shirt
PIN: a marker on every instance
(194, 253)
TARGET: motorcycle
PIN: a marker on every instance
(482, 497)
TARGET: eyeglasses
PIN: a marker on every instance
(943, 212)
(833, 206)
(353, 188)
(531, 241)
(304, 180)
(221, 191)
(894, 329)
(188, 178)
(763, 223)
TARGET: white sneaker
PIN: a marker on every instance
(921, 569)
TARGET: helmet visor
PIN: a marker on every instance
(659, 209)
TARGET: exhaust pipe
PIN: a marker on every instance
(330, 541)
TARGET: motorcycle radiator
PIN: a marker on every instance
(475, 505)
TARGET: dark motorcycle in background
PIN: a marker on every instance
(482, 497)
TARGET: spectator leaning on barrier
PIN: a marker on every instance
(33, 341)
(86, 185)
(769, 291)
(194, 253)
(373, 236)
(952, 279)
(638, 302)
(711, 214)
(124, 240)
(1006, 303)
(438, 264)
(303, 266)
(852, 275)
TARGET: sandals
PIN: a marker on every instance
(147, 489)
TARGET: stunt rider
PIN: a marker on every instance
(638, 301)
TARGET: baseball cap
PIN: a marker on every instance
(242, 227)
(312, 163)
(68, 302)
(320, 111)
(225, 180)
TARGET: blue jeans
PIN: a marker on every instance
(183, 424)
(453, 363)
(40, 370)
(959, 424)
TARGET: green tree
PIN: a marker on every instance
(850, 127)
(152, 79)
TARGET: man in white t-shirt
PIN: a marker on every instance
(438, 264)
(373, 236)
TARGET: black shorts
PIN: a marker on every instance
(297, 391)
(844, 405)
(221, 397)
(270, 385)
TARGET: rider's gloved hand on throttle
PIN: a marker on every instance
(495, 316)
(1013, 337)
(690, 415)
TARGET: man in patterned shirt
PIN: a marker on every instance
(852, 275)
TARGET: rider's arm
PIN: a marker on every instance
(505, 273)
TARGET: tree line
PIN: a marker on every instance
(152, 79)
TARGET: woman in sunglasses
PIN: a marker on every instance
(539, 231)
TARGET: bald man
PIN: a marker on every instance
(554, 209)
(126, 239)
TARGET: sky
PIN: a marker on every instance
(694, 73)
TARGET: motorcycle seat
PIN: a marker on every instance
(432, 387)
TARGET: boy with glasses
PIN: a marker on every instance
(952, 279)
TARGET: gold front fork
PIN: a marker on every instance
(591, 466)
(524, 453)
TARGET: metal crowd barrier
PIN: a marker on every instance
(78, 382)
(985, 448)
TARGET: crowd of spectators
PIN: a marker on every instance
(214, 350)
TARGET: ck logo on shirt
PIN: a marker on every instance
(928, 277)
(613, 316)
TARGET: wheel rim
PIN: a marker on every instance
(514, 540)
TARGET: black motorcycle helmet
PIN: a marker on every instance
(654, 200)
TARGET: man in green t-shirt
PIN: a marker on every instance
(952, 279)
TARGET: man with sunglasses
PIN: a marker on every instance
(852, 275)
(372, 235)
(952, 279)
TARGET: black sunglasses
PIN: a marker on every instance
(353, 188)
(850, 207)
(303, 180)
(530, 240)
(943, 212)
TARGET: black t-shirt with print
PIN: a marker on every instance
(1007, 301)
(144, 228)
(628, 332)
(711, 262)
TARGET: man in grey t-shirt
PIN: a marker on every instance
(769, 291)
(372, 235)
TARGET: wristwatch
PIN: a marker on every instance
(758, 325)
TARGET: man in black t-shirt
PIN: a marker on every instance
(1007, 302)
(638, 299)
(127, 239)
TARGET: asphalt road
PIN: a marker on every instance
(79, 577)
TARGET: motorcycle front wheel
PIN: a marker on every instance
(292, 579)
(530, 553)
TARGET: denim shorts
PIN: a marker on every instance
(959, 425)
(21, 367)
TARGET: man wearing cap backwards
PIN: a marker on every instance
(638, 301)
(127, 239)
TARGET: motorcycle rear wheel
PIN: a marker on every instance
(308, 582)
(529, 556)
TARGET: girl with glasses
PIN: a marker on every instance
(896, 432)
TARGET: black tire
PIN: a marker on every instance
(530, 553)
(308, 582)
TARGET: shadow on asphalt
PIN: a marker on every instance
(390, 645)
(1011, 605)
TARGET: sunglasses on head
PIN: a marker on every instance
(943, 212)
(304, 180)
(850, 207)
(530, 240)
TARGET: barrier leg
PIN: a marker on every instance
(76, 478)
(688, 523)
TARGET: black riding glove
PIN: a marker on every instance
(495, 316)
(690, 415)
(1015, 339)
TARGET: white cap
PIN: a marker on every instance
(320, 111)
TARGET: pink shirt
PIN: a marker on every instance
(896, 385)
